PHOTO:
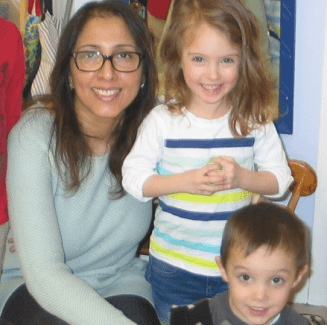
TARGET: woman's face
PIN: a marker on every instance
(103, 95)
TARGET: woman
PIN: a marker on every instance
(76, 232)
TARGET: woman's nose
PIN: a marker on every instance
(107, 71)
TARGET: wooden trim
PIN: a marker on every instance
(22, 16)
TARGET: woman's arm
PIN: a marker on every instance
(37, 231)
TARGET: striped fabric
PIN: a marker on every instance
(188, 227)
(49, 31)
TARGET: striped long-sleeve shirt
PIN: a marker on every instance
(188, 228)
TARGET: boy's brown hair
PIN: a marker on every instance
(266, 224)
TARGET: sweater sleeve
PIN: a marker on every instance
(269, 155)
(37, 231)
(142, 161)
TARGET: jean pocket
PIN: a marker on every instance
(162, 268)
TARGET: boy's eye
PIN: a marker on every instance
(277, 280)
(245, 277)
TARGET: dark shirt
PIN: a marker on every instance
(222, 314)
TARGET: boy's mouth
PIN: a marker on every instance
(258, 311)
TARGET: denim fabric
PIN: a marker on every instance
(174, 286)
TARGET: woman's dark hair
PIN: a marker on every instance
(71, 148)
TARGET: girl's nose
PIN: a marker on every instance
(214, 71)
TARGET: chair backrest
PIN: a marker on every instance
(305, 181)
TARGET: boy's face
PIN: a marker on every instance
(259, 284)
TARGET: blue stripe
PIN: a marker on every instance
(209, 248)
(192, 215)
(197, 162)
(209, 143)
(162, 171)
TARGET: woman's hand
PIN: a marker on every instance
(12, 248)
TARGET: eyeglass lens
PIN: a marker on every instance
(92, 61)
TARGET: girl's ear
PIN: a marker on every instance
(301, 275)
(221, 268)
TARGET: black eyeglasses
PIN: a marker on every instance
(90, 61)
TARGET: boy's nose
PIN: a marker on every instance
(260, 292)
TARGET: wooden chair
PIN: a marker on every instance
(305, 183)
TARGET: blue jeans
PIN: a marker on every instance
(174, 286)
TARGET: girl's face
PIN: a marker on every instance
(210, 64)
(102, 96)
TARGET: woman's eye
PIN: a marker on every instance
(123, 55)
(89, 55)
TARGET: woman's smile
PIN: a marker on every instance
(106, 92)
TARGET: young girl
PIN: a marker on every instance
(207, 149)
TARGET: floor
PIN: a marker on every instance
(309, 309)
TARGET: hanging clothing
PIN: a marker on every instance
(12, 69)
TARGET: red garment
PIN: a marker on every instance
(12, 71)
(36, 3)
(159, 9)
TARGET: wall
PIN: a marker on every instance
(306, 143)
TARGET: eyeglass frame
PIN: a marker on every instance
(107, 57)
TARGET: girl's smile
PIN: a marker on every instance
(210, 64)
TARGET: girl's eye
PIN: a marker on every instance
(277, 280)
(198, 59)
(228, 60)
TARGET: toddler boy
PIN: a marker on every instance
(264, 256)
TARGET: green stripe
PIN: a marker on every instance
(212, 199)
(197, 261)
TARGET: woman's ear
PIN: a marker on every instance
(70, 82)
(143, 82)
(221, 268)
